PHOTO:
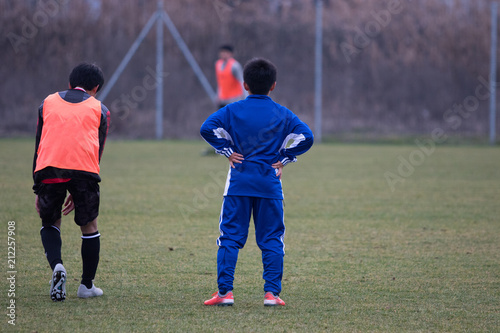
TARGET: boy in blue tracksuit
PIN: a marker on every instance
(255, 135)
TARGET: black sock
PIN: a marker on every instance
(91, 246)
(51, 240)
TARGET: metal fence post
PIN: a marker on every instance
(318, 76)
(493, 71)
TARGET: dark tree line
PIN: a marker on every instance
(390, 68)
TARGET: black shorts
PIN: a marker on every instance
(85, 196)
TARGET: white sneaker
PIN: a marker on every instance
(84, 292)
(58, 284)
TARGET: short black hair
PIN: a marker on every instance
(86, 75)
(259, 74)
(226, 47)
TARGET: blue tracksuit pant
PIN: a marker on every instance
(269, 233)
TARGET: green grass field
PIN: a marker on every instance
(360, 257)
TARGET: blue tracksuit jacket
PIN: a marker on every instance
(264, 132)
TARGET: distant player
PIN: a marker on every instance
(253, 134)
(71, 132)
(229, 76)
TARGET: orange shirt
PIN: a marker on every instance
(70, 135)
(229, 86)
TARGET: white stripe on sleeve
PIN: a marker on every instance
(297, 138)
(221, 133)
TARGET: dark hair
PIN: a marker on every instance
(88, 76)
(259, 74)
(226, 47)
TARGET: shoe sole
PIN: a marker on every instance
(57, 293)
(87, 296)
(220, 304)
(272, 303)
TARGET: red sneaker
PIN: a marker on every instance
(271, 300)
(227, 300)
